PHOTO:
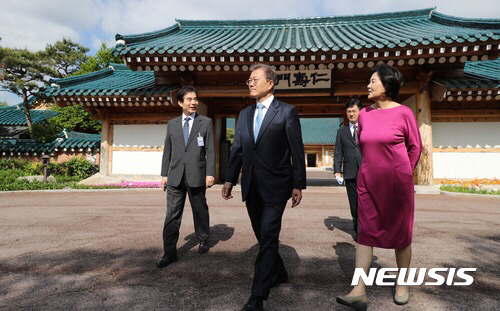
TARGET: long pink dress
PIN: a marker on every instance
(390, 144)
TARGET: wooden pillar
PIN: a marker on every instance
(323, 156)
(217, 134)
(202, 109)
(423, 110)
(104, 167)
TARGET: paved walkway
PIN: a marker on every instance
(96, 250)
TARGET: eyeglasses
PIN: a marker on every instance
(254, 80)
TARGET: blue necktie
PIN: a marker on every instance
(185, 130)
(258, 121)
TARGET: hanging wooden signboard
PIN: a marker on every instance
(303, 79)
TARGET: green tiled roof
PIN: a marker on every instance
(319, 131)
(116, 80)
(489, 69)
(386, 30)
(467, 82)
(74, 142)
(14, 115)
(477, 75)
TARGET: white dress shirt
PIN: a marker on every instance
(351, 127)
(267, 102)
(190, 121)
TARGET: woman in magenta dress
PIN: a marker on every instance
(390, 144)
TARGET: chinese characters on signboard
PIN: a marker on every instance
(303, 79)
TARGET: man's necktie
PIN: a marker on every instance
(185, 129)
(258, 121)
(355, 134)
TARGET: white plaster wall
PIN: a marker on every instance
(136, 162)
(466, 134)
(466, 165)
(139, 135)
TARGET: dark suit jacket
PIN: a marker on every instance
(346, 154)
(276, 160)
(195, 161)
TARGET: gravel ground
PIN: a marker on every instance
(97, 250)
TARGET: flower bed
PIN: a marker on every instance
(476, 186)
(134, 184)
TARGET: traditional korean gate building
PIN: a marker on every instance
(321, 62)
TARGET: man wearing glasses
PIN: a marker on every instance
(268, 148)
(348, 157)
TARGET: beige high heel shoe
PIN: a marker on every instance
(402, 299)
(357, 302)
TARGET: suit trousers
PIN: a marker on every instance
(266, 225)
(176, 198)
(352, 194)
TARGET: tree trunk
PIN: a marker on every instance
(26, 109)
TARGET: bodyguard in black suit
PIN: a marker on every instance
(268, 149)
(348, 156)
(188, 166)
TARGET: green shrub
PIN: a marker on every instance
(67, 174)
(33, 168)
(16, 163)
(77, 167)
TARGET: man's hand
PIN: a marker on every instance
(164, 183)
(339, 179)
(226, 190)
(209, 181)
(296, 197)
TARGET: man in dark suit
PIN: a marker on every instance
(348, 156)
(268, 148)
(188, 166)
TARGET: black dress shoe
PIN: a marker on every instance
(254, 303)
(279, 278)
(165, 261)
(203, 247)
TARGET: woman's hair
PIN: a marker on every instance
(391, 78)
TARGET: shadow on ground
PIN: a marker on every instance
(218, 233)
(126, 278)
(121, 279)
(342, 224)
(322, 182)
(483, 293)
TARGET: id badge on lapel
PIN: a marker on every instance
(201, 143)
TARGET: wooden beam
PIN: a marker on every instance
(465, 113)
(438, 92)
(244, 93)
(341, 88)
(351, 89)
(473, 119)
(423, 108)
(149, 116)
